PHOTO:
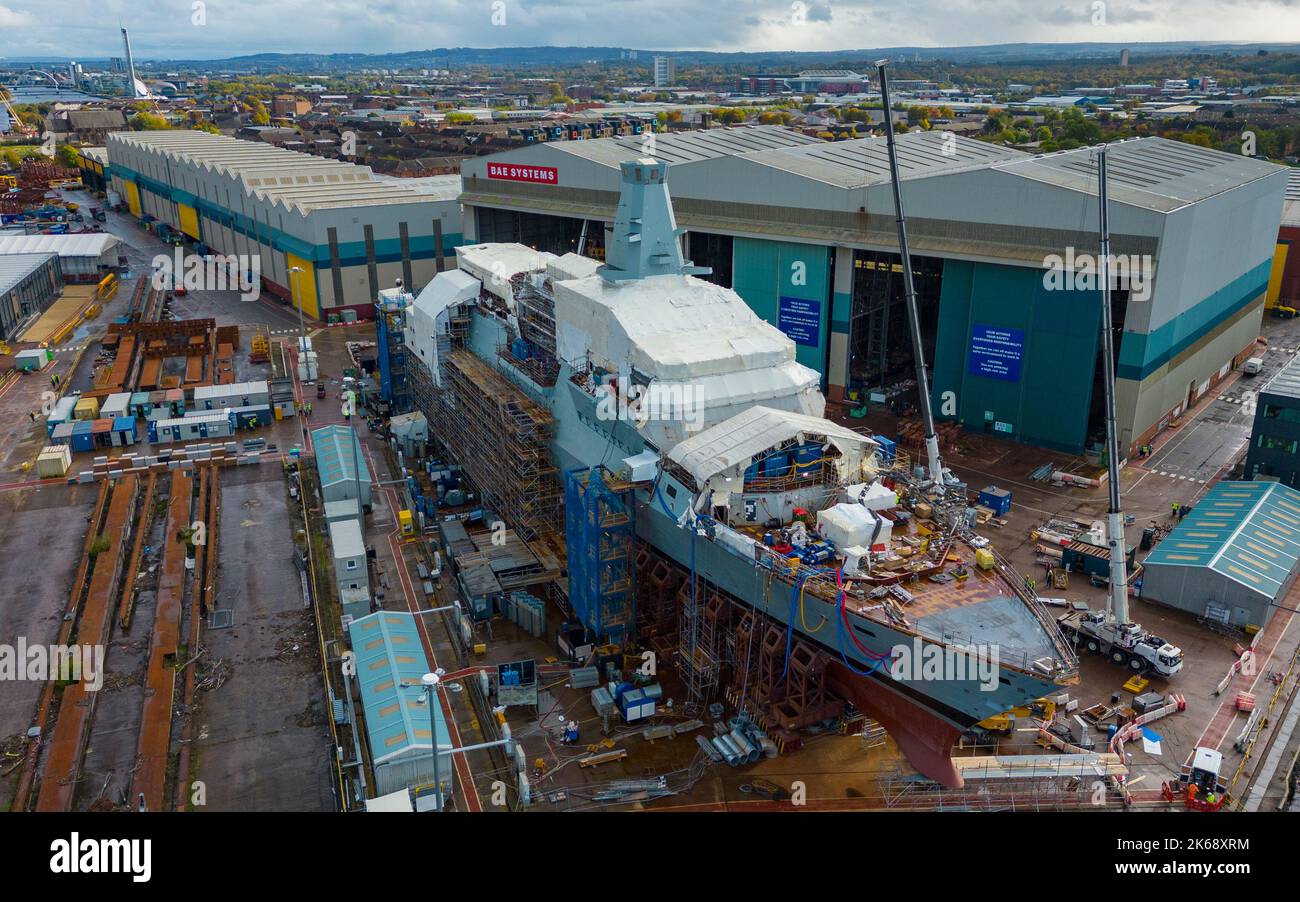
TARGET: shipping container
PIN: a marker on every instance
(124, 431)
(62, 412)
(54, 460)
(83, 438)
(86, 409)
(116, 405)
(61, 434)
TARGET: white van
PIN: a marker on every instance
(1252, 366)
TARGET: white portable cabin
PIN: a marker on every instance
(183, 429)
(237, 394)
(115, 405)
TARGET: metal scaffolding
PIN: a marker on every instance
(502, 439)
(601, 527)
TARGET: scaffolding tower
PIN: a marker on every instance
(502, 439)
(390, 351)
(601, 527)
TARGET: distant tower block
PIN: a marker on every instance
(1123, 57)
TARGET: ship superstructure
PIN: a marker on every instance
(812, 555)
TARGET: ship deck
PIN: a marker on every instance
(951, 599)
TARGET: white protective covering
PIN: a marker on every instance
(428, 318)
(692, 339)
(571, 266)
(724, 451)
(873, 496)
(496, 264)
(849, 524)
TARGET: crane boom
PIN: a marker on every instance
(1115, 515)
(933, 462)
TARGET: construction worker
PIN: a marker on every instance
(1174, 510)
(32, 414)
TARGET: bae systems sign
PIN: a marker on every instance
(546, 175)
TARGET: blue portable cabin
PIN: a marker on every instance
(83, 436)
(124, 431)
(139, 405)
(62, 412)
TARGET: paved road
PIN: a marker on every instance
(1221, 427)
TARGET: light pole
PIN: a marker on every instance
(293, 292)
(431, 682)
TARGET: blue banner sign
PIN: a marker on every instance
(801, 320)
(996, 352)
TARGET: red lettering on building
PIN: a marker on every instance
(512, 172)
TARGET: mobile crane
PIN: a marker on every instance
(1110, 632)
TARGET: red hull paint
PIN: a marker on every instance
(924, 738)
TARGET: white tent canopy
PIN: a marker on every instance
(729, 447)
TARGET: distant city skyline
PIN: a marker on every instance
(213, 29)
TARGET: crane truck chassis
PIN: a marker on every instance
(1127, 644)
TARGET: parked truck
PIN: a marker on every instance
(1127, 644)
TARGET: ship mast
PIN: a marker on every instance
(1118, 608)
(913, 314)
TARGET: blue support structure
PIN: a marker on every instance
(390, 352)
(601, 525)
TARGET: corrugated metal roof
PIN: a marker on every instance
(1156, 173)
(390, 663)
(1246, 531)
(1291, 207)
(272, 173)
(865, 161)
(16, 267)
(1286, 382)
(336, 455)
(686, 147)
(91, 244)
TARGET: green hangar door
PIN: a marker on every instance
(1018, 357)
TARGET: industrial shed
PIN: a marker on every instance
(390, 664)
(29, 283)
(346, 232)
(804, 231)
(339, 466)
(1233, 558)
(83, 257)
(1284, 287)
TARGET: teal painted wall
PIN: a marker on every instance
(1049, 403)
(1142, 355)
(764, 273)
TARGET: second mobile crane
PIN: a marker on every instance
(1110, 632)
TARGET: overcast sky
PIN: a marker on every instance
(218, 28)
